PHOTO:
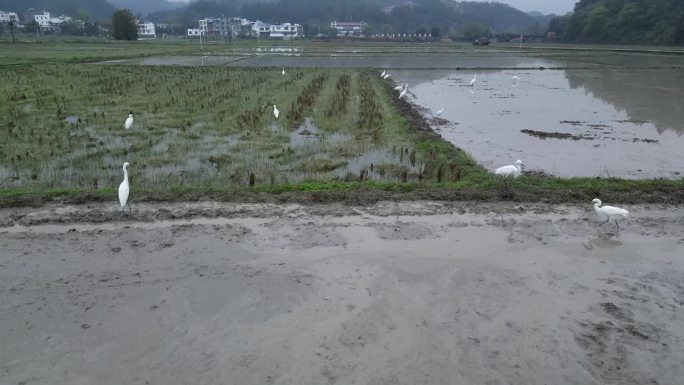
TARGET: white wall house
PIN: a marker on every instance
(261, 29)
(146, 30)
(43, 19)
(194, 32)
(285, 31)
(6, 17)
(348, 28)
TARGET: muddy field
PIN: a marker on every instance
(393, 293)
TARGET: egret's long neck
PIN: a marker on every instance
(597, 207)
(125, 174)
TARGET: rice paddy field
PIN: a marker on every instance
(211, 129)
(204, 127)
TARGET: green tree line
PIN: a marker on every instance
(658, 22)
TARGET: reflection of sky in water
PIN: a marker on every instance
(600, 104)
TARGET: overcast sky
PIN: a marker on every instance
(559, 7)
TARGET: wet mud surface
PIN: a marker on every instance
(389, 293)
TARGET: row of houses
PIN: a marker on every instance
(235, 27)
(48, 23)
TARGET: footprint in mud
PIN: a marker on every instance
(404, 231)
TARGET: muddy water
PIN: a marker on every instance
(622, 122)
(394, 293)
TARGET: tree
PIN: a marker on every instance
(124, 26)
(436, 32)
(31, 27)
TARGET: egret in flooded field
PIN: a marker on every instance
(399, 87)
(382, 75)
(276, 113)
(129, 121)
(124, 189)
(283, 71)
(472, 82)
(608, 212)
(515, 80)
(440, 111)
(387, 76)
(403, 93)
(510, 170)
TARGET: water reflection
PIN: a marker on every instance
(608, 131)
(644, 95)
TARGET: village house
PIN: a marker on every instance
(7, 17)
(348, 28)
(146, 30)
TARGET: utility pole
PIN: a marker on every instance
(11, 24)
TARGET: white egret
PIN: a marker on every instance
(399, 87)
(440, 111)
(124, 189)
(129, 121)
(608, 212)
(382, 75)
(276, 113)
(387, 76)
(515, 77)
(472, 82)
(283, 71)
(403, 93)
(510, 170)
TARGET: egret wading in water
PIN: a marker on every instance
(276, 113)
(472, 82)
(439, 113)
(515, 80)
(129, 121)
(124, 189)
(283, 71)
(608, 212)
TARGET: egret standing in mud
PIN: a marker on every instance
(515, 80)
(510, 170)
(382, 75)
(283, 71)
(387, 76)
(608, 212)
(129, 121)
(439, 113)
(124, 189)
(399, 87)
(472, 82)
(276, 113)
(403, 93)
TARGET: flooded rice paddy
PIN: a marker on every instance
(609, 114)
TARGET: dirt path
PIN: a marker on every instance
(394, 293)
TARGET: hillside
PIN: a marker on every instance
(95, 9)
(659, 22)
(147, 6)
(383, 16)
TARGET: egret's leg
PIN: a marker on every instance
(129, 207)
(616, 225)
(607, 220)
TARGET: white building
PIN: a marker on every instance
(348, 28)
(261, 29)
(48, 23)
(6, 17)
(146, 30)
(43, 19)
(194, 32)
(285, 31)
